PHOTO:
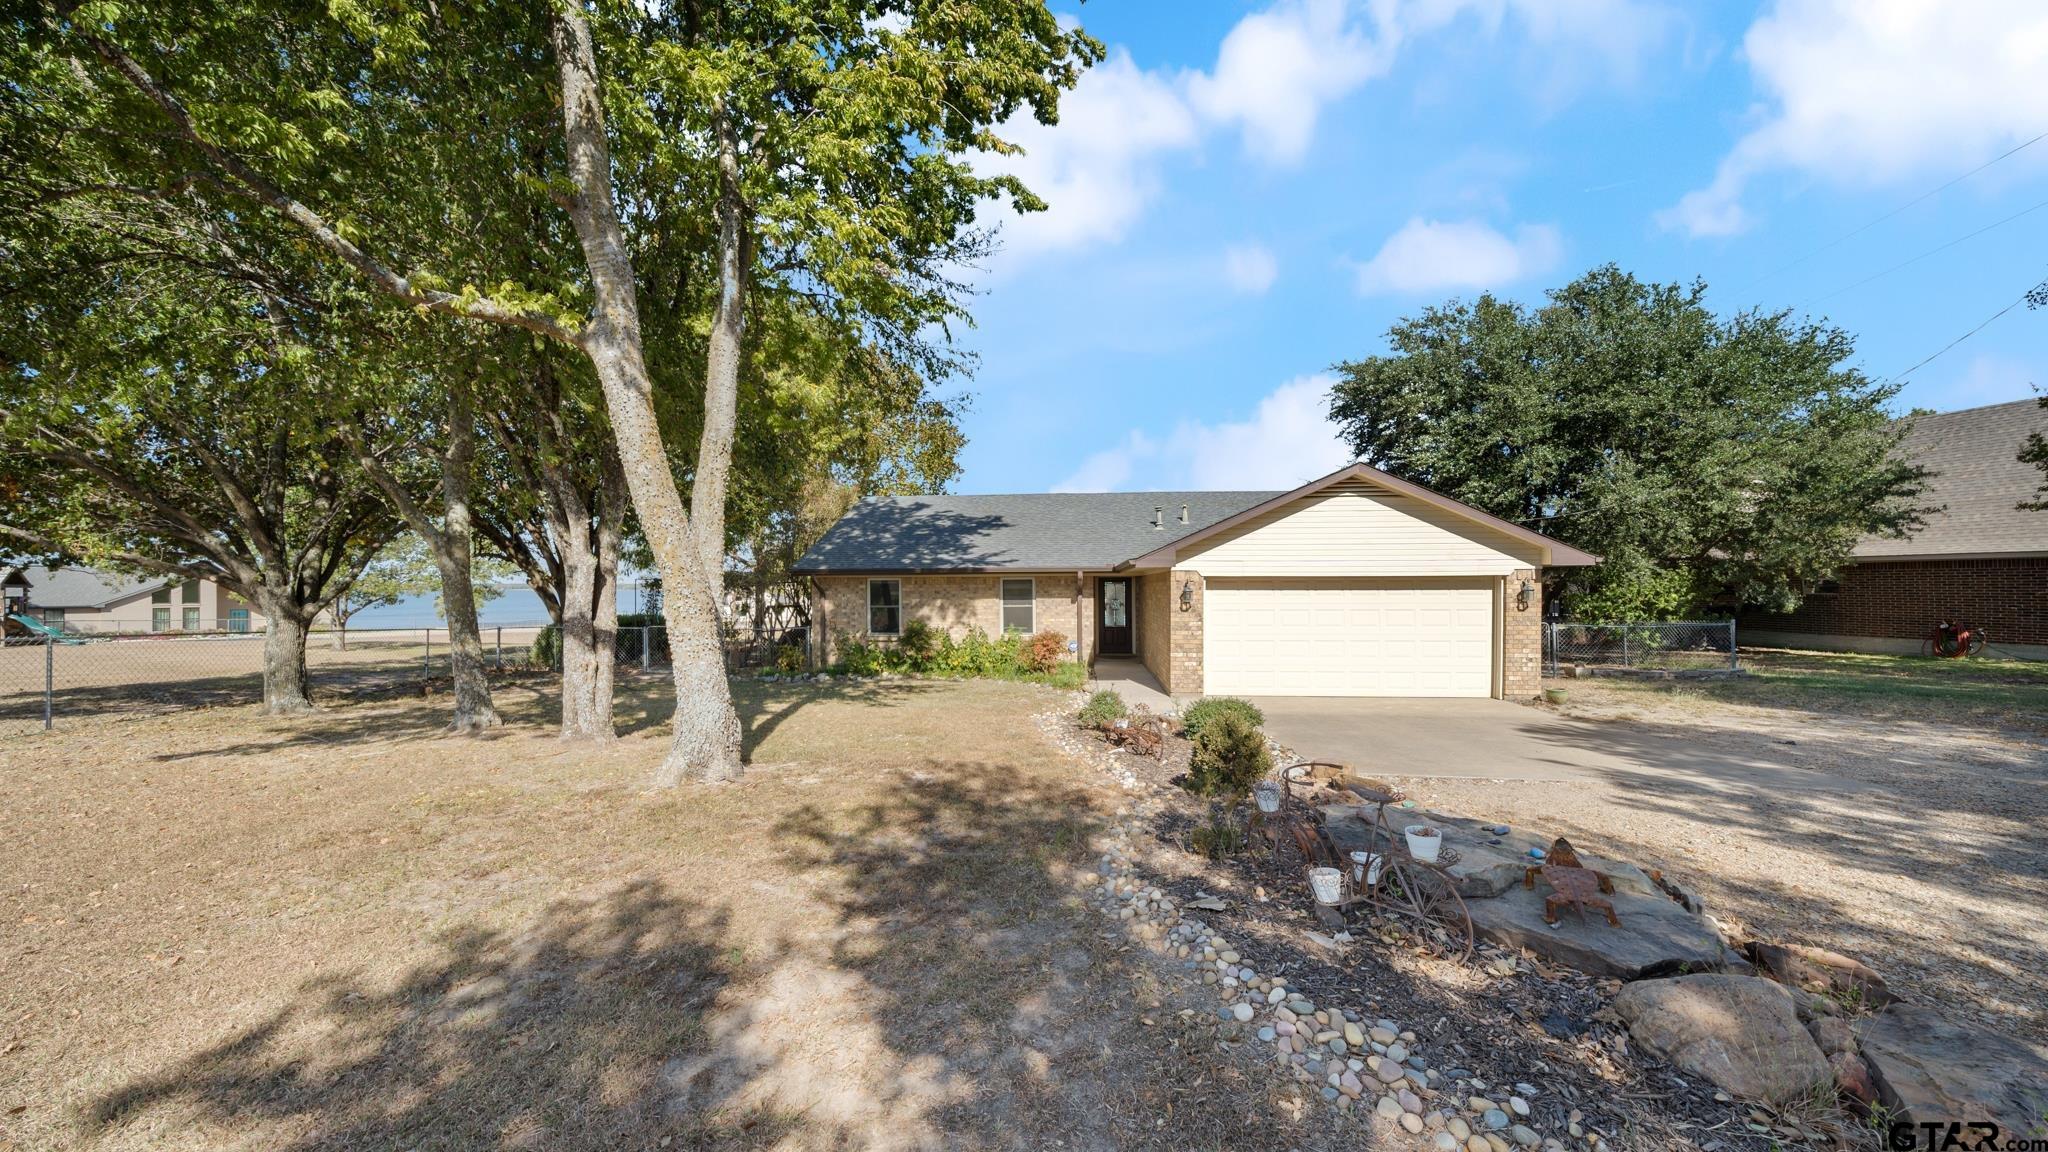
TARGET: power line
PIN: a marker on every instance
(1929, 194)
(1924, 255)
(1900, 378)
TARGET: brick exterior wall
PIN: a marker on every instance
(1903, 599)
(952, 603)
(1153, 638)
(1521, 675)
(1184, 635)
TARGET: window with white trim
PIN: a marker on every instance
(1020, 604)
(885, 607)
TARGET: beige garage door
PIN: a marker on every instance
(1348, 638)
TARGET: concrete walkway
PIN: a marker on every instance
(1499, 740)
(1129, 679)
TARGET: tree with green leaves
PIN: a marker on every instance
(399, 571)
(1708, 461)
(2035, 451)
(828, 144)
(165, 421)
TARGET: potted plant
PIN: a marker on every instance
(1553, 695)
(1424, 842)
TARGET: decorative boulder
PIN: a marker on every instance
(1822, 971)
(1740, 1032)
(1929, 1069)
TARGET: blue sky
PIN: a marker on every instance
(1244, 194)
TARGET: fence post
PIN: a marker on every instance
(501, 647)
(1624, 646)
(646, 647)
(427, 657)
(49, 679)
(1732, 665)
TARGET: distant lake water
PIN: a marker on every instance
(515, 605)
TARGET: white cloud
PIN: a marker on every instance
(1876, 90)
(1277, 68)
(1095, 166)
(1250, 268)
(1275, 72)
(1435, 256)
(1288, 441)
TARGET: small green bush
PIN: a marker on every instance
(916, 646)
(789, 659)
(1229, 757)
(546, 651)
(857, 657)
(1102, 708)
(1205, 711)
(1216, 839)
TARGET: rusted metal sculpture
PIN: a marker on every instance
(1403, 886)
(1578, 887)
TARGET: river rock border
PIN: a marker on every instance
(1355, 1064)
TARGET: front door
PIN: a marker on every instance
(1113, 616)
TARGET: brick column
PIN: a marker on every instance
(1184, 653)
(1522, 637)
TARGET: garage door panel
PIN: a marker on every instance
(1365, 639)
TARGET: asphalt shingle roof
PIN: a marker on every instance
(1042, 531)
(83, 587)
(1978, 479)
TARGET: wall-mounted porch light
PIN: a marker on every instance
(1187, 595)
(1522, 595)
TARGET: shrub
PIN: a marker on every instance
(857, 657)
(789, 659)
(916, 646)
(1102, 708)
(1229, 757)
(1216, 839)
(1042, 653)
(546, 651)
(1205, 711)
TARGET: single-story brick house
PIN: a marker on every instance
(1980, 558)
(1357, 584)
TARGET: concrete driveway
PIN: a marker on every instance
(1499, 740)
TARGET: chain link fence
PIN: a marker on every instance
(49, 678)
(1669, 646)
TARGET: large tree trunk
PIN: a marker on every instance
(588, 636)
(454, 554)
(284, 656)
(452, 545)
(706, 741)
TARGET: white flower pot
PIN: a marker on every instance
(1423, 848)
(1365, 868)
(1328, 884)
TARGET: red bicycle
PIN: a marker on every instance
(1952, 639)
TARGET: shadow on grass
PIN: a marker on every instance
(586, 1031)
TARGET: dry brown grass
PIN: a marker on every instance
(351, 931)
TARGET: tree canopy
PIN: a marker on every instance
(1708, 461)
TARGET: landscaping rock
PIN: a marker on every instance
(1656, 936)
(1818, 970)
(1483, 870)
(1741, 1033)
(1928, 1069)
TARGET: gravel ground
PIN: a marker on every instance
(1926, 854)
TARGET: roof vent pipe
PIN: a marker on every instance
(1183, 513)
(1158, 516)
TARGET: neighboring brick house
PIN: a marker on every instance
(1979, 559)
(1357, 584)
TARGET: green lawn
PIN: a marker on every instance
(1976, 690)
